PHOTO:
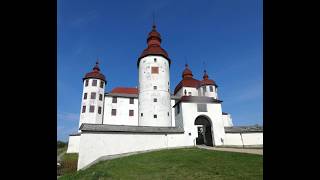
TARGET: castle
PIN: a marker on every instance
(127, 119)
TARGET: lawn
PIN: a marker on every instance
(61, 150)
(187, 163)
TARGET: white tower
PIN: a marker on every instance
(154, 83)
(208, 87)
(92, 97)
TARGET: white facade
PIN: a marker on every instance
(226, 118)
(190, 91)
(154, 92)
(92, 96)
(209, 91)
(190, 113)
(122, 107)
(73, 144)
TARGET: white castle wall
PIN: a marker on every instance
(250, 139)
(147, 81)
(73, 144)
(244, 139)
(92, 117)
(96, 145)
(233, 139)
(122, 116)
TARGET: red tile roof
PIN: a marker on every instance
(125, 90)
(187, 80)
(95, 73)
(206, 80)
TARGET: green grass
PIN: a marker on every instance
(188, 163)
(60, 150)
(68, 164)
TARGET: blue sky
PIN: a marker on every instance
(225, 34)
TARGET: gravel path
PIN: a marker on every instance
(241, 150)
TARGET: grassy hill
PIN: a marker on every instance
(61, 147)
(187, 163)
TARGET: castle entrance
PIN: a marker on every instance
(204, 128)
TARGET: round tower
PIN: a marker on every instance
(154, 83)
(93, 97)
(208, 87)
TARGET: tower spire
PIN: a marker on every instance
(153, 20)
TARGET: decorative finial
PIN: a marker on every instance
(96, 67)
(153, 21)
(97, 62)
(187, 66)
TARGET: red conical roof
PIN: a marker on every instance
(206, 80)
(154, 46)
(95, 73)
(187, 80)
(187, 72)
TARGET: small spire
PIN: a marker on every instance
(153, 21)
(187, 66)
(205, 75)
(96, 67)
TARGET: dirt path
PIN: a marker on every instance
(240, 150)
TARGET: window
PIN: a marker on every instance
(155, 59)
(141, 114)
(87, 82)
(101, 84)
(100, 97)
(202, 107)
(168, 114)
(155, 116)
(85, 95)
(131, 101)
(99, 110)
(94, 83)
(154, 87)
(93, 95)
(83, 109)
(204, 89)
(189, 93)
(211, 89)
(130, 112)
(113, 112)
(154, 99)
(91, 109)
(114, 99)
(155, 70)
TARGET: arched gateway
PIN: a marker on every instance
(204, 127)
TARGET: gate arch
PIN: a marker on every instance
(204, 127)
